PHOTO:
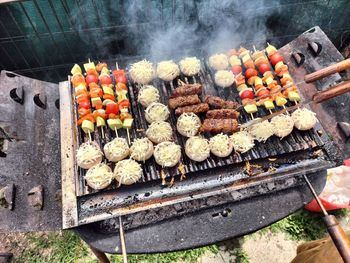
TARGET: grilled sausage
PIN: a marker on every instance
(187, 89)
(219, 125)
(198, 108)
(219, 103)
(222, 114)
(183, 101)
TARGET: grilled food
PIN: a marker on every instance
(88, 155)
(222, 114)
(224, 78)
(218, 61)
(127, 172)
(148, 94)
(304, 119)
(142, 72)
(242, 141)
(167, 70)
(261, 131)
(219, 103)
(167, 154)
(219, 125)
(116, 150)
(99, 176)
(282, 125)
(183, 101)
(159, 131)
(190, 66)
(220, 145)
(187, 89)
(156, 112)
(197, 148)
(198, 108)
(141, 149)
(188, 124)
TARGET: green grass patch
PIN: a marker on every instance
(241, 255)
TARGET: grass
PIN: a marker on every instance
(68, 247)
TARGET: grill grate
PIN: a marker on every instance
(296, 141)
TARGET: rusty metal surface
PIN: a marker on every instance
(31, 155)
(330, 112)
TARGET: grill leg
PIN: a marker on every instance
(100, 255)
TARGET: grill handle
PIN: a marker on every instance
(338, 236)
(332, 92)
(322, 73)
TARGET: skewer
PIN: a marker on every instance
(90, 140)
(122, 240)
(103, 133)
(270, 111)
(252, 116)
(116, 132)
(254, 48)
(128, 135)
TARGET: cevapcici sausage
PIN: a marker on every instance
(187, 89)
(219, 125)
(198, 108)
(222, 114)
(219, 103)
(183, 101)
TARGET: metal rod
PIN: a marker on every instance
(315, 195)
(122, 240)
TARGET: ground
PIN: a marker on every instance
(276, 243)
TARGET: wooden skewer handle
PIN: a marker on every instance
(335, 68)
(338, 236)
(332, 92)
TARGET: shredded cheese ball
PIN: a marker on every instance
(197, 148)
(304, 119)
(220, 145)
(218, 61)
(147, 95)
(127, 172)
(88, 155)
(188, 124)
(224, 78)
(167, 154)
(159, 131)
(99, 176)
(261, 131)
(142, 72)
(282, 125)
(168, 70)
(141, 149)
(242, 141)
(190, 66)
(156, 112)
(116, 150)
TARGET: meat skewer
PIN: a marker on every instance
(219, 103)
(197, 108)
(187, 89)
(219, 125)
(183, 101)
(222, 114)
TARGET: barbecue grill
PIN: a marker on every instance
(220, 198)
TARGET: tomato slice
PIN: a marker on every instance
(83, 111)
(82, 97)
(118, 72)
(124, 104)
(89, 117)
(120, 79)
(263, 93)
(85, 104)
(112, 108)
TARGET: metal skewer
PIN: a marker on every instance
(122, 240)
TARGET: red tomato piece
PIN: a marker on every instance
(250, 72)
(236, 69)
(124, 104)
(105, 80)
(112, 108)
(264, 68)
(275, 58)
(85, 104)
(83, 111)
(91, 79)
(262, 93)
(120, 79)
(247, 94)
(82, 97)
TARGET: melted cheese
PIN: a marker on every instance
(167, 154)
(159, 131)
(242, 141)
(99, 176)
(282, 124)
(221, 145)
(261, 131)
(304, 119)
(218, 61)
(167, 70)
(197, 148)
(224, 78)
(127, 172)
(156, 112)
(141, 149)
(116, 150)
(142, 72)
(89, 154)
(147, 95)
(190, 66)
(188, 124)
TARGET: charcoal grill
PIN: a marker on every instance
(217, 201)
